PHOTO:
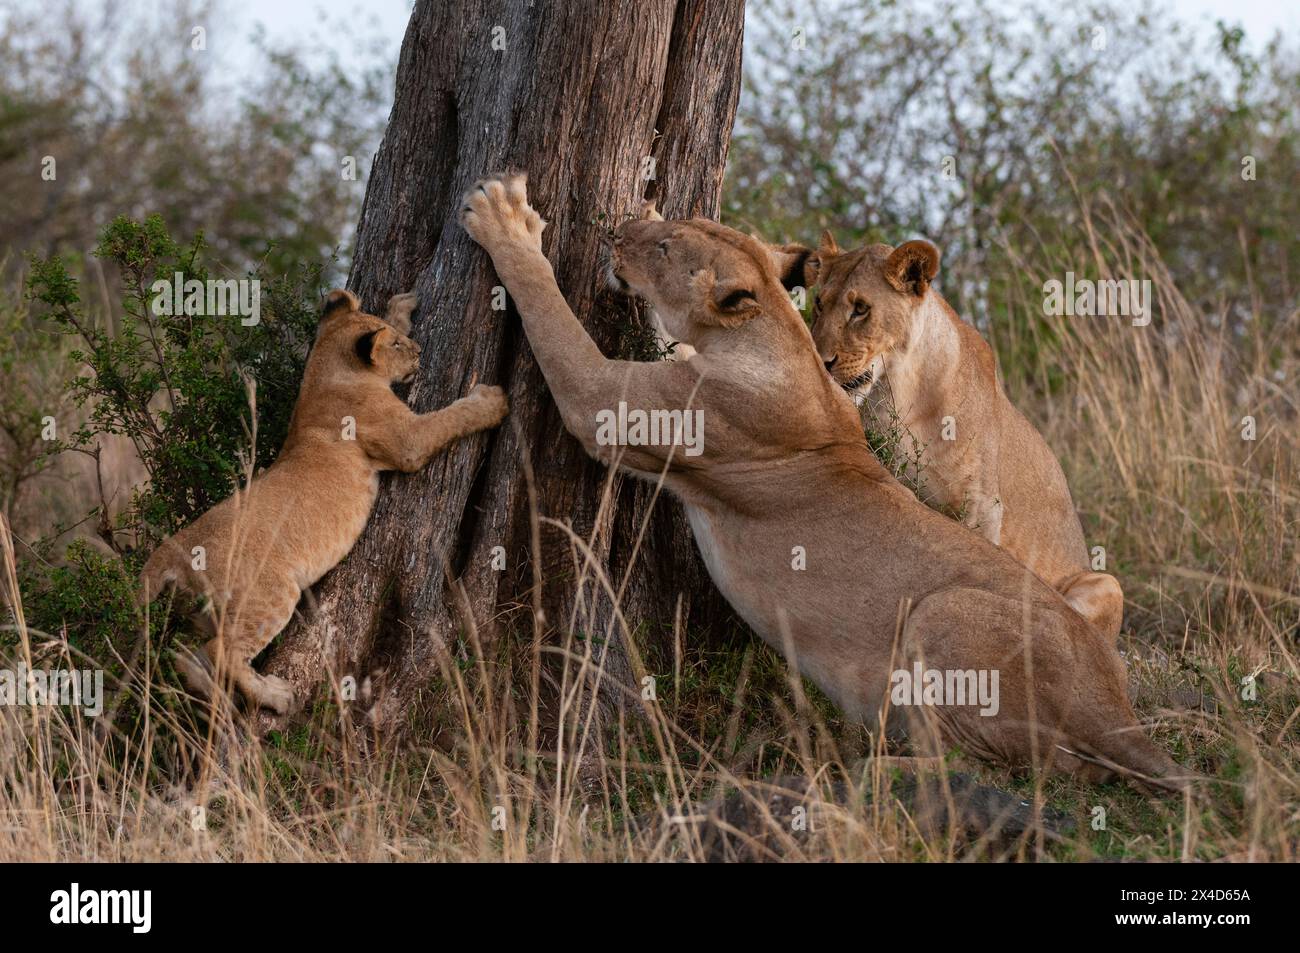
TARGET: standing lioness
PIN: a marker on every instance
(254, 554)
(787, 502)
(875, 314)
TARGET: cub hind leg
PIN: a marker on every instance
(247, 629)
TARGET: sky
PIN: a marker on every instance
(351, 27)
(287, 19)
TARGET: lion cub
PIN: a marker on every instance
(876, 314)
(255, 553)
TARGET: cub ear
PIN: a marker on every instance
(372, 341)
(912, 266)
(339, 301)
(723, 304)
(791, 263)
(399, 311)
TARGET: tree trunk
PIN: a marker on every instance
(587, 98)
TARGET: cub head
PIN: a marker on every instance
(369, 344)
(865, 306)
(696, 274)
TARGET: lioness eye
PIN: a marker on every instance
(861, 309)
(663, 248)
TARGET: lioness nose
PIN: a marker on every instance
(830, 365)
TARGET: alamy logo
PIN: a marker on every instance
(651, 428)
(83, 688)
(76, 906)
(1111, 297)
(946, 687)
(230, 296)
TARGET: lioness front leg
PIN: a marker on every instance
(584, 383)
(497, 215)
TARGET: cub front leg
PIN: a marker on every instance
(410, 440)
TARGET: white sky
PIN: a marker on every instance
(352, 27)
(311, 24)
(290, 19)
(1260, 17)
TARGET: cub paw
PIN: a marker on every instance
(274, 693)
(496, 214)
(492, 399)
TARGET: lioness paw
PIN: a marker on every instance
(493, 401)
(496, 214)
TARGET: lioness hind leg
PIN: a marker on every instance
(1097, 597)
(1003, 713)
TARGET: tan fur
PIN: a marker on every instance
(786, 468)
(876, 315)
(264, 546)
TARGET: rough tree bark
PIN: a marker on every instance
(579, 95)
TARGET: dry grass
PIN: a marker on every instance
(1199, 525)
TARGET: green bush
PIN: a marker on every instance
(196, 393)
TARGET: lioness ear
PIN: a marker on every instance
(372, 341)
(649, 212)
(815, 263)
(339, 301)
(912, 266)
(724, 304)
(791, 263)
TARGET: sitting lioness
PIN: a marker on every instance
(788, 504)
(875, 314)
(254, 554)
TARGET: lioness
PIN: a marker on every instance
(255, 553)
(786, 480)
(876, 314)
